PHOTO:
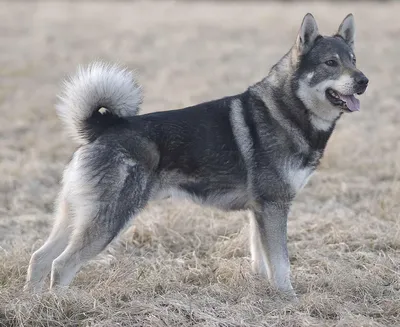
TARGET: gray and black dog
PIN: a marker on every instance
(252, 151)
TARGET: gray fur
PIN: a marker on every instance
(99, 85)
(347, 30)
(252, 151)
(307, 34)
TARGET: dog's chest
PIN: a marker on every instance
(297, 173)
(298, 177)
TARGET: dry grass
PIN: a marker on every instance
(182, 265)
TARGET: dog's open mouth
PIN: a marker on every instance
(346, 102)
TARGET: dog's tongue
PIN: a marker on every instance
(351, 101)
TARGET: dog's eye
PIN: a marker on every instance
(331, 63)
(354, 60)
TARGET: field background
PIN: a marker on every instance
(182, 265)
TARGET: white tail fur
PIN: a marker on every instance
(97, 86)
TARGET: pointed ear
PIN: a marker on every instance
(347, 30)
(307, 34)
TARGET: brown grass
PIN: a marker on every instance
(180, 264)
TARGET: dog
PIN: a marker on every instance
(252, 151)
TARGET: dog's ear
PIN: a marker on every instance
(307, 34)
(347, 30)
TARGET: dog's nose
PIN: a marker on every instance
(362, 80)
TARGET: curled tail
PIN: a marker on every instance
(97, 86)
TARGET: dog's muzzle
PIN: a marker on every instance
(361, 82)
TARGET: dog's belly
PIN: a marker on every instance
(221, 198)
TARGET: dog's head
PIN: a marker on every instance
(328, 78)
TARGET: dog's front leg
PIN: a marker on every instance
(269, 244)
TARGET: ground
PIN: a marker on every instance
(180, 264)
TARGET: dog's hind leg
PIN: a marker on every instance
(108, 188)
(41, 260)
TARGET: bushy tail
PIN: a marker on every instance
(97, 86)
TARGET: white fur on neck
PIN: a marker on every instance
(321, 124)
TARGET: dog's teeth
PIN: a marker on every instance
(333, 93)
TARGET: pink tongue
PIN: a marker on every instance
(351, 101)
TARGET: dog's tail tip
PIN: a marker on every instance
(99, 85)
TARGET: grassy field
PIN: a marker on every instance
(180, 264)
